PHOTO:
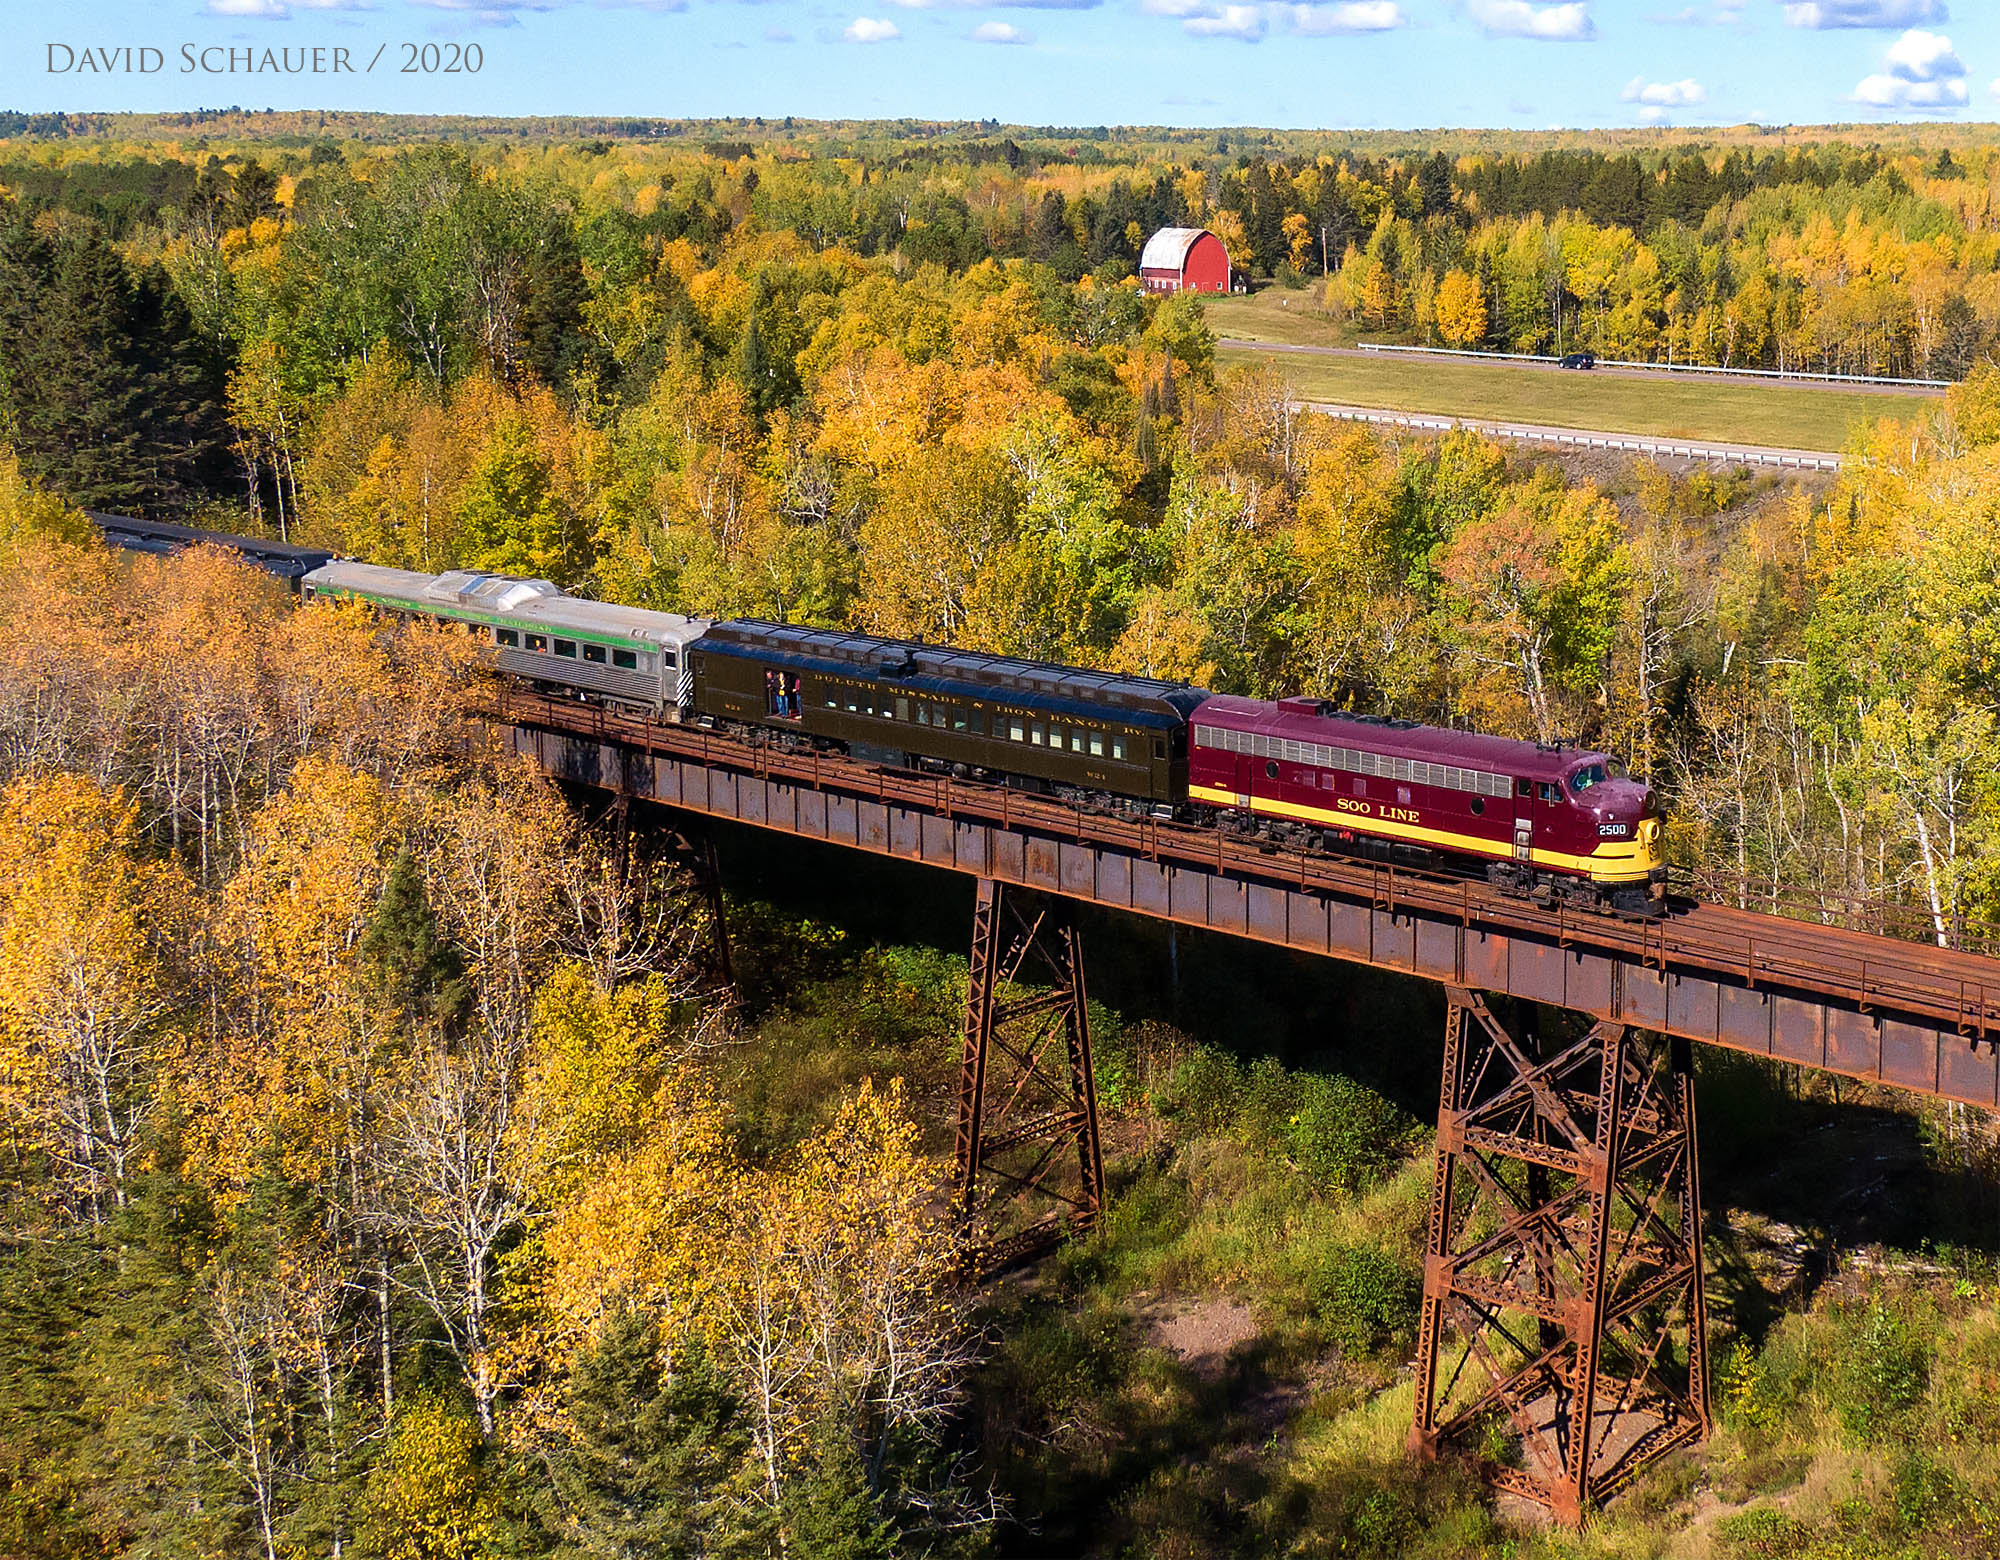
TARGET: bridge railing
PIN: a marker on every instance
(1859, 968)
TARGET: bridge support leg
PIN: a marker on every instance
(1563, 1334)
(692, 848)
(1027, 1101)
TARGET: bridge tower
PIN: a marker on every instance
(1030, 1167)
(1564, 1259)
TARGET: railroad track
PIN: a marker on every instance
(1867, 970)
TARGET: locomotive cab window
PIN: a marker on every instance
(1525, 788)
(566, 648)
(1586, 777)
(594, 653)
(1547, 791)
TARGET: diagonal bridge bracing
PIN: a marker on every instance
(1563, 1334)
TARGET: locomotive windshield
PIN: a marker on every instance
(1586, 777)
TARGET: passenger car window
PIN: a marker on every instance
(566, 647)
(1117, 744)
(1016, 731)
(625, 658)
(594, 653)
(1097, 744)
(506, 636)
(538, 641)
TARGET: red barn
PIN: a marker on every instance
(1184, 260)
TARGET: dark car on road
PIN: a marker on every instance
(1577, 360)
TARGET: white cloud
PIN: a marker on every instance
(1924, 73)
(1663, 94)
(1864, 13)
(1348, 16)
(1923, 56)
(1242, 22)
(1000, 32)
(868, 29)
(1565, 23)
(270, 10)
(1177, 7)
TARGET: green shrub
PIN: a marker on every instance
(1344, 1135)
(1365, 1297)
(1882, 1371)
(1926, 1495)
(1763, 1531)
(1206, 1089)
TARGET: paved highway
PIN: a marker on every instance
(1589, 438)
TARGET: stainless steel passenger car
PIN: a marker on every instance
(623, 655)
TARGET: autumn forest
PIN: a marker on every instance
(388, 1174)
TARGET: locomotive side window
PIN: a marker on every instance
(567, 648)
(1524, 788)
(1547, 792)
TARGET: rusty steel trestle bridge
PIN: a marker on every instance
(1564, 1246)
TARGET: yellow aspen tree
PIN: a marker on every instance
(85, 997)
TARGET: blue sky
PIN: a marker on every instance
(1361, 64)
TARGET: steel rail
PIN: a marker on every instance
(1866, 972)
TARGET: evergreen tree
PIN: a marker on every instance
(109, 401)
(658, 1464)
(415, 968)
(830, 1513)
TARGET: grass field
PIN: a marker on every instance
(1781, 415)
(1788, 415)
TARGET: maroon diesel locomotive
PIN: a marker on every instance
(1550, 822)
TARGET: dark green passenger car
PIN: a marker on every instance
(1060, 728)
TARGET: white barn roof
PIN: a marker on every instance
(1167, 249)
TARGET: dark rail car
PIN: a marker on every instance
(288, 561)
(1064, 729)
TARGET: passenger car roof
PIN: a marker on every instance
(1310, 720)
